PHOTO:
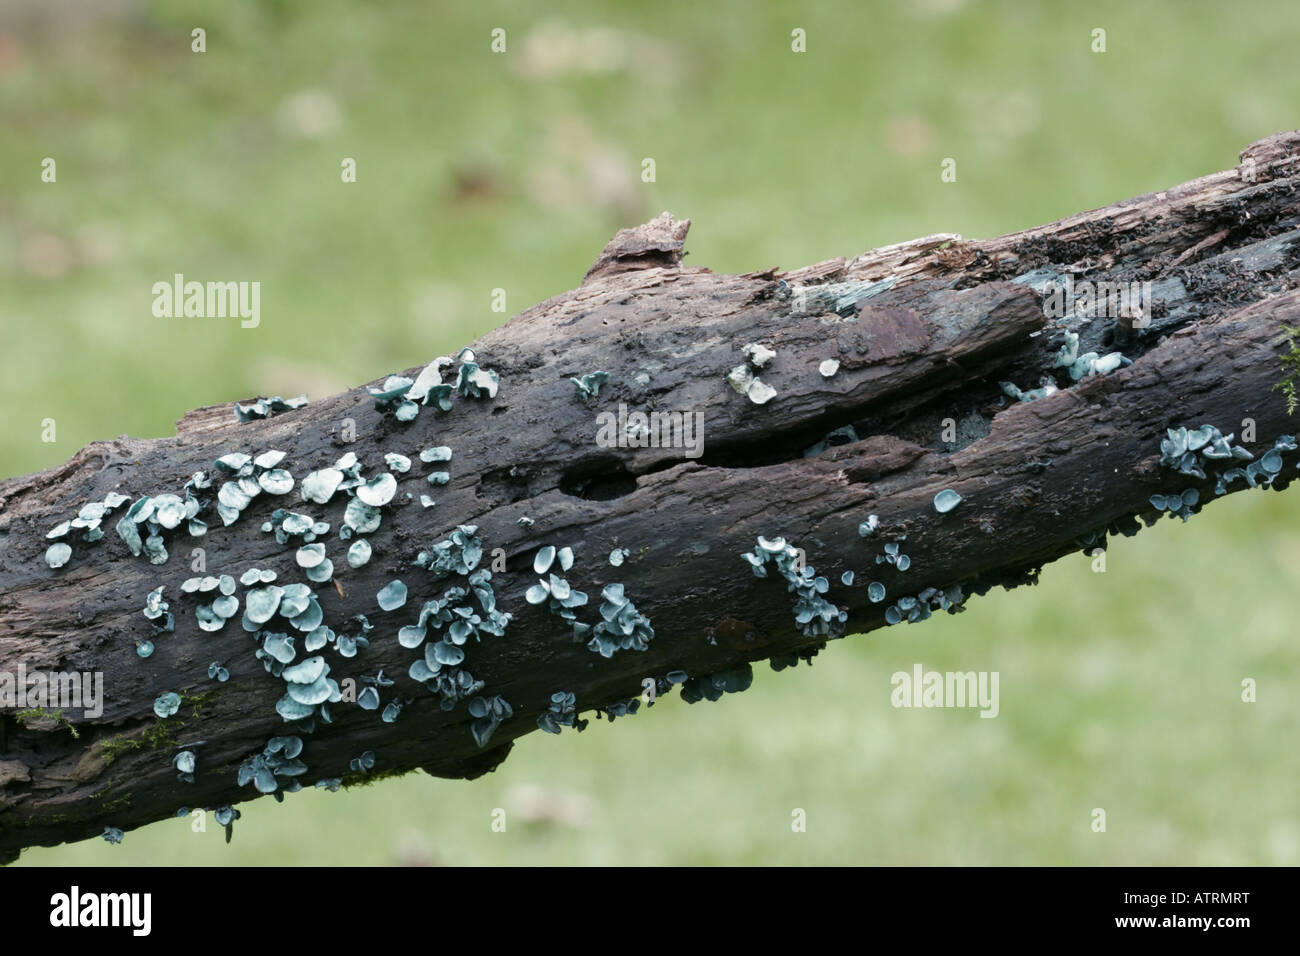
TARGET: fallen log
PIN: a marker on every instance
(937, 417)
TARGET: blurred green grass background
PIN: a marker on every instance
(476, 171)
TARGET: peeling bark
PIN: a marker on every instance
(1039, 480)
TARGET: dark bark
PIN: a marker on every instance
(1039, 480)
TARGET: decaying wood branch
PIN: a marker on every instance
(924, 333)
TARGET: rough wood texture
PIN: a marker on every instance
(1037, 478)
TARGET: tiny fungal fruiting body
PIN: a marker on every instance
(226, 817)
(185, 763)
(1029, 395)
(620, 708)
(742, 378)
(1180, 504)
(392, 596)
(1088, 364)
(267, 407)
(276, 768)
(712, 686)
(588, 386)
(363, 764)
(1187, 452)
(404, 396)
(488, 714)
(813, 613)
(780, 662)
(453, 619)
(622, 626)
(87, 520)
(1079, 367)
(757, 355)
(562, 712)
(919, 607)
(894, 556)
(946, 500)
(1191, 451)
